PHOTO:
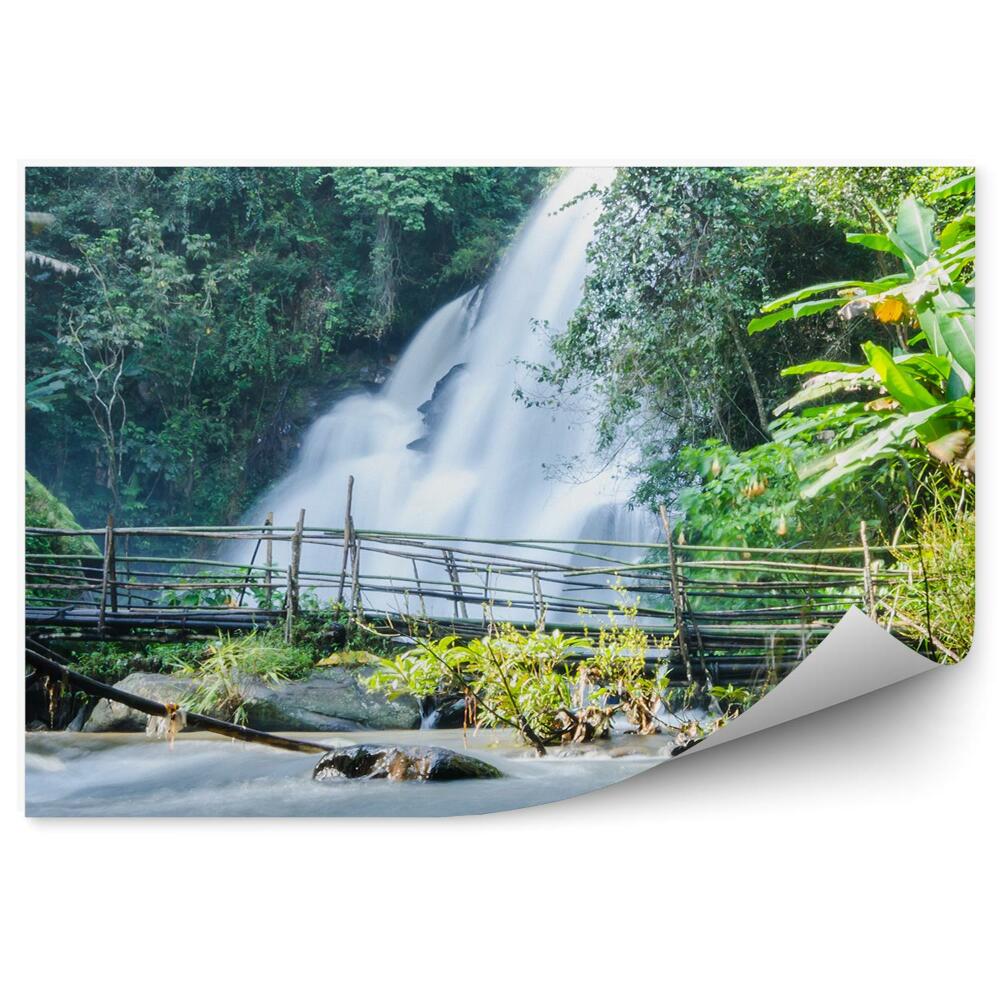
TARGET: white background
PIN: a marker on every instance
(848, 854)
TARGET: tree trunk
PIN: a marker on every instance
(758, 396)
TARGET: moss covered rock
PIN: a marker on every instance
(42, 509)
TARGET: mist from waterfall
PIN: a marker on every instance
(481, 465)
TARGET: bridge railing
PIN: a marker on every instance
(735, 608)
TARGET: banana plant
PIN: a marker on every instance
(921, 396)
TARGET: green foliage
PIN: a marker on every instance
(42, 509)
(853, 197)
(229, 668)
(617, 667)
(43, 392)
(680, 261)
(754, 498)
(510, 677)
(945, 608)
(109, 662)
(205, 312)
(871, 439)
(922, 399)
(549, 687)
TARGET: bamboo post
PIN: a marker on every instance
(348, 532)
(113, 570)
(253, 558)
(356, 604)
(420, 592)
(539, 598)
(109, 536)
(461, 592)
(447, 566)
(678, 599)
(456, 583)
(292, 593)
(268, 555)
(870, 599)
(128, 596)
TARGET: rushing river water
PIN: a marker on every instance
(78, 774)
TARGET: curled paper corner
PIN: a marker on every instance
(857, 657)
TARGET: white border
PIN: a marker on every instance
(849, 853)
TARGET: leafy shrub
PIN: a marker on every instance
(109, 662)
(945, 609)
(549, 687)
(228, 669)
(754, 498)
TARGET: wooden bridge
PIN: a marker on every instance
(731, 613)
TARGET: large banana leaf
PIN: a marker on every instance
(961, 185)
(899, 383)
(949, 324)
(796, 311)
(929, 424)
(821, 367)
(869, 287)
(828, 384)
(914, 232)
(876, 241)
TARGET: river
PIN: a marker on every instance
(119, 774)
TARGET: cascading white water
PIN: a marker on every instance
(477, 467)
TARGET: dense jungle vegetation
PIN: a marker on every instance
(683, 260)
(780, 353)
(184, 324)
(713, 289)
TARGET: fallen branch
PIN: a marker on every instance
(49, 668)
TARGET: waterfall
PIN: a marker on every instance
(443, 446)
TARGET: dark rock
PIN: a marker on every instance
(76, 724)
(433, 410)
(445, 713)
(421, 444)
(679, 748)
(400, 763)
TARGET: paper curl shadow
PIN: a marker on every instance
(857, 657)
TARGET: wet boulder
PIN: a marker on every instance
(370, 761)
(444, 712)
(334, 699)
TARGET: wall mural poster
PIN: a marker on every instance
(443, 490)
